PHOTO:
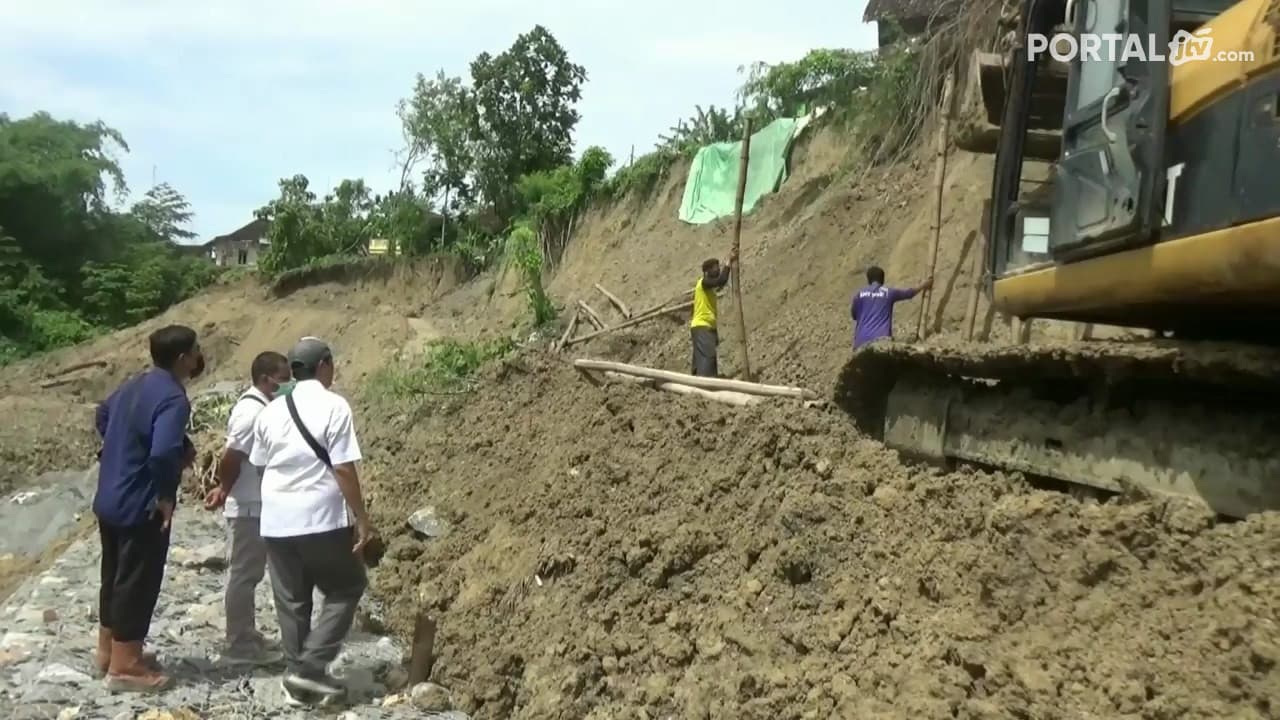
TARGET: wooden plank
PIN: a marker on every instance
(705, 383)
(422, 655)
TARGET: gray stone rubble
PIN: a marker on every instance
(48, 633)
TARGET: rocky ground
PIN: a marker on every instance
(49, 633)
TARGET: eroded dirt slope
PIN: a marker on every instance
(619, 549)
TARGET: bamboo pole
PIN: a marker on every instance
(728, 397)
(939, 179)
(979, 272)
(568, 331)
(685, 296)
(637, 320)
(592, 316)
(736, 278)
(622, 307)
(705, 383)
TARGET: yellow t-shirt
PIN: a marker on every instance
(704, 307)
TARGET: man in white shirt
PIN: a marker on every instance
(313, 519)
(239, 494)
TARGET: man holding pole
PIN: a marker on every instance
(873, 307)
(702, 328)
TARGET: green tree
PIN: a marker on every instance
(70, 265)
(525, 116)
(294, 232)
(437, 122)
(165, 213)
(822, 77)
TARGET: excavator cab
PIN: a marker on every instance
(1135, 172)
(1106, 185)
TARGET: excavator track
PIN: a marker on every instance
(1198, 420)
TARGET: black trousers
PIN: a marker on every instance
(133, 560)
(705, 342)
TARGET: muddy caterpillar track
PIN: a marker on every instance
(1195, 420)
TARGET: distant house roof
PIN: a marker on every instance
(899, 9)
(255, 230)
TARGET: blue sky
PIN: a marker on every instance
(223, 99)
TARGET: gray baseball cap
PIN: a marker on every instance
(309, 352)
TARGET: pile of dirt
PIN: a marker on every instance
(620, 552)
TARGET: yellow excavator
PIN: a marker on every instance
(1160, 209)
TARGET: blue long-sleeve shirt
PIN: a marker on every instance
(143, 428)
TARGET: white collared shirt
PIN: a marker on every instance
(300, 494)
(245, 498)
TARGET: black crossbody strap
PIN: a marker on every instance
(306, 434)
(255, 398)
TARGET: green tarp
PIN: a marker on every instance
(712, 187)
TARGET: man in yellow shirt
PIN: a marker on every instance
(702, 328)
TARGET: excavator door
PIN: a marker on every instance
(1110, 177)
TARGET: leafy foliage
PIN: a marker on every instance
(525, 115)
(446, 367)
(834, 77)
(523, 248)
(70, 265)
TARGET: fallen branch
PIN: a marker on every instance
(81, 366)
(56, 383)
(637, 320)
(592, 316)
(622, 307)
(724, 396)
(699, 382)
(568, 332)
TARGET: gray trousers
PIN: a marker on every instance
(705, 343)
(246, 564)
(298, 566)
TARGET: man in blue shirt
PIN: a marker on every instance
(873, 307)
(144, 451)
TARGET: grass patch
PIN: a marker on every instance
(446, 368)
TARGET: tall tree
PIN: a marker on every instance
(437, 121)
(525, 115)
(165, 213)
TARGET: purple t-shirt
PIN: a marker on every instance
(873, 312)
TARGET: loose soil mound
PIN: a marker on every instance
(619, 552)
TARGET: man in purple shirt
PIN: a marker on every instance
(873, 307)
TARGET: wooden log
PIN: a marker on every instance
(568, 331)
(622, 307)
(939, 180)
(728, 397)
(705, 383)
(637, 320)
(422, 655)
(592, 316)
(744, 164)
